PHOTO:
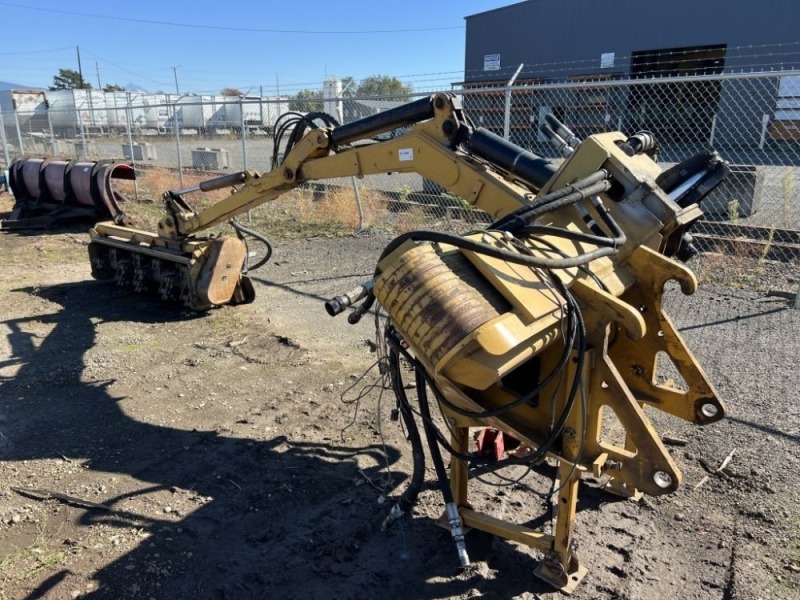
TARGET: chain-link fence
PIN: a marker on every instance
(752, 120)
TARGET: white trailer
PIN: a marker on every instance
(29, 108)
(258, 112)
(69, 109)
(122, 106)
(242, 111)
(271, 108)
(197, 112)
(157, 111)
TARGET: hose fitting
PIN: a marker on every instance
(338, 304)
(457, 532)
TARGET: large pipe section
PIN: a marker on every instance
(49, 191)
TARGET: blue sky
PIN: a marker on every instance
(38, 40)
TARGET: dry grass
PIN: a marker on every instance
(300, 212)
(152, 183)
(335, 212)
(739, 265)
(144, 204)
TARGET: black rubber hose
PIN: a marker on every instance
(568, 234)
(605, 215)
(538, 209)
(409, 496)
(580, 184)
(241, 229)
(489, 250)
(445, 443)
(433, 444)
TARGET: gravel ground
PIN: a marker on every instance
(212, 449)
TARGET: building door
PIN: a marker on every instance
(680, 111)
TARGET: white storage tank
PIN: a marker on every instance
(331, 96)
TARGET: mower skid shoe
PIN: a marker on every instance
(220, 277)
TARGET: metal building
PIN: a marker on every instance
(592, 40)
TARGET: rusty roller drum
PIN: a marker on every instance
(448, 306)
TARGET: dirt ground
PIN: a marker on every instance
(150, 453)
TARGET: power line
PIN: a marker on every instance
(35, 51)
(225, 28)
(116, 66)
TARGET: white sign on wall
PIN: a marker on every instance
(491, 62)
(606, 60)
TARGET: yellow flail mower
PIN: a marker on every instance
(535, 324)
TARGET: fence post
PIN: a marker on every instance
(764, 125)
(19, 133)
(244, 146)
(178, 140)
(244, 133)
(507, 112)
(52, 133)
(5, 141)
(83, 133)
(713, 130)
(128, 119)
(360, 227)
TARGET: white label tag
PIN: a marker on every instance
(405, 154)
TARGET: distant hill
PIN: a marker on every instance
(135, 87)
(7, 85)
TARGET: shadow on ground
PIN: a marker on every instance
(274, 518)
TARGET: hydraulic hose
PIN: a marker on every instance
(409, 497)
(241, 229)
(453, 517)
(568, 234)
(538, 209)
(618, 240)
(489, 250)
(596, 177)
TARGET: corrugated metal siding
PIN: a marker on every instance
(571, 35)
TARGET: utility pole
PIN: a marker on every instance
(97, 68)
(80, 70)
(175, 72)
